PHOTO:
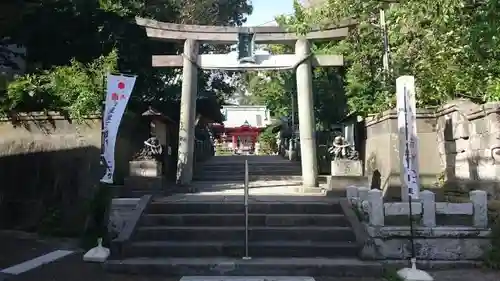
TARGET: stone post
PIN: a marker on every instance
(185, 161)
(479, 199)
(429, 208)
(376, 209)
(352, 193)
(291, 150)
(362, 195)
(306, 115)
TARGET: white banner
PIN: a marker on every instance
(408, 140)
(118, 90)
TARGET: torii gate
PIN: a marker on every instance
(246, 37)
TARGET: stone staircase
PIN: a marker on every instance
(232, 168)
(290, 233)
(204, 235)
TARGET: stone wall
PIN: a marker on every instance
(382, 151)
(469, 146)
(49, 167)
(458, 143)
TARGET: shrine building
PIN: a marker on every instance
(242, 126)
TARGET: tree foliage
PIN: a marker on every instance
(76, 88)
(67, 40)
(450, 46)
(267, 140)
(277, 89)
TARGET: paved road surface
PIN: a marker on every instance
(72, 268)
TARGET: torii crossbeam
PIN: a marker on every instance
(302, 62)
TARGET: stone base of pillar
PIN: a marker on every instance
(345, 173)
(342, 182)
(310, 190)
(145, 168)
(346, 167)
(144, 184)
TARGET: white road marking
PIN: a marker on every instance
(36, 262)
(247, 278)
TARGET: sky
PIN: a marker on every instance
(264, 11)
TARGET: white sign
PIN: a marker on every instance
(118, 92)
(408, 140)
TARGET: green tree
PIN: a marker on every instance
(450, 46)
(76, 88)
(93, 29)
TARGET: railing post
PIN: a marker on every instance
(246, 194)
(428, 208)
(479, 199)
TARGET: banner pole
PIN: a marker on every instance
(103, 112)
(413, 258)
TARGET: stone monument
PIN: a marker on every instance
(345, 159)
(147, 167)
(148, 162)
(346, 168)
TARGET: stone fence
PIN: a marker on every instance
(459, 148)
(372, 203)
(383, 237)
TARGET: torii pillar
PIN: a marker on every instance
(185, 160)
(305, 103)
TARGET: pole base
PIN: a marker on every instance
(414, 274)
(246, 258)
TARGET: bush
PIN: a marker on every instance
(77, 88)
(267, 140)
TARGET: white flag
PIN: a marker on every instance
(118, 92)
(408, 139)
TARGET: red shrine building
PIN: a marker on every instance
(242, 126)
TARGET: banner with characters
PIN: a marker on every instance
(118, 90)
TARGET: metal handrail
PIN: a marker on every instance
(246, 194)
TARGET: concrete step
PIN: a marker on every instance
(236, 249)
(251, 172)
(237, 207)
(251, 162)
(240, 177)
(239, 219)
(232, 233)
(276, 167)
(215, 266)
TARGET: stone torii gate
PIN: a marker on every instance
(302, 61)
